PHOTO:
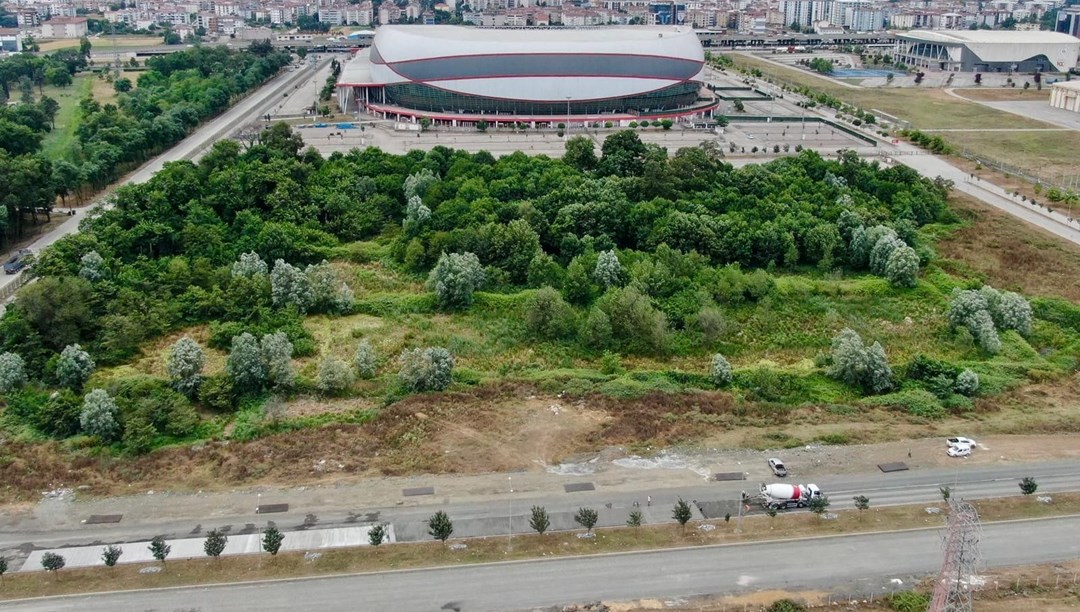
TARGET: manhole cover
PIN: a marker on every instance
(418, 491)
(896, 466)
(101, 519)
(271, 508)
(729, 476)
(576, 487)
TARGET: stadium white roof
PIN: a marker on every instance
(1004, 37)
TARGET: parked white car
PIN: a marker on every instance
(960, 441)
(959, 451)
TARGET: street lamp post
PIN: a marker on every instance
(510, 520)
(568, 117)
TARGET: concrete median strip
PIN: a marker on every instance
(191, 548)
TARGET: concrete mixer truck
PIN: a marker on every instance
(781, 495)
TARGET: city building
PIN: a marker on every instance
(461, 75)
(1068, 20)
(988, 50)
(1066, 95)
(10, 40)
(64, 27)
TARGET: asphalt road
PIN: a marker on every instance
(249, 109)
(490, 516)
(863, 562)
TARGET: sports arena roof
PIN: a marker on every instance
(959, 37)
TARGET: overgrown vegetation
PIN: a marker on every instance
(624, 275)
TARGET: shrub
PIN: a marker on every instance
(365, 359)
(334, 375)
(587, 518)
(1028, 486)
(710, 323)
(217, 392)
(215, 543)
(377, 534)
(635, 322)
(12, 372)
(329, 293)
(98, 416)
(249, 264)
(184, 365)
(428, 369)
(902, 268)
(539, 520)
(786, 605)
(111, 555)
(596, 331)
(720, 372)
(74, 367)
(547, 315)
(967, 383)
(272, 539)
(454, 279)
(139, 435)
(52, 562)
(440, 526)
(908, 601)
(577, 288)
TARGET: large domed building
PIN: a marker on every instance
(461, 75)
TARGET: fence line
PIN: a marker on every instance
(1064, 182)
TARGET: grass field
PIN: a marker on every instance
(526, 546)
(1003, 94)
(59, 140)
(1049, 154)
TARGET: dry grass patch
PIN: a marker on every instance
(1003, 94)
(531, 546)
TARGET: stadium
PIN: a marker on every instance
(460, 76)
(988, 50)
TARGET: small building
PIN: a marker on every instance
(1065, 95)
(10, 40)
(64, 27)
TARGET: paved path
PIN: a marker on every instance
(862, 563)
(487, 514)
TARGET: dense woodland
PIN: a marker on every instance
(554, 271)
(173, 95)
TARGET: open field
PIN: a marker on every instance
(59, 140)
(526, 546)
(1050, 154)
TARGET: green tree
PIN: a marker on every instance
(429, 369)
(1028, 485)
(945, 491)
(454, 279)
(74, 367)
(440, 526)
(818, 505)
(364, 360)
(215, 543)
(111, 555)
(122, 85)
(159, 549)
(577, 288)
(862, 503)
(682, 512)
(245, 363)
(634, 520)
(587, 518)
(377, 534)
(539, 520)
(184, 365)
(52, 562)
(272, 539)
(3, 567)
(580, 153)
(98, 416)
(12, 372)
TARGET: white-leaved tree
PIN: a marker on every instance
(334, 375)
(454, 279)
(882, 250)
(418, 183)
(277, 353)
(967, 383)
(365, 359)
(74, 367)
(902, 269)
(986, 311)
(428, 369)
(92, 266)
(416, 213)
(249, 264)
(858, 365)
(329, 293)
(12, 372)
(98, 416)
(289, 286)
(184, 365)
(608, 271)
(245, 363)
(720, 372)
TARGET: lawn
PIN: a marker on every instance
(1049, 155)
(104, 43)
(525, 546)
(58, 141)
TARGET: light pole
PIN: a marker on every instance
(568, 117)
(510, 520)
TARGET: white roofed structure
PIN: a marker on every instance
(988, 50)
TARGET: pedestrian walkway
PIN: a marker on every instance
(192, 548)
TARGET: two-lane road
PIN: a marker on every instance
(868, 561)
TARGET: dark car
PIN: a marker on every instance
(18, 261)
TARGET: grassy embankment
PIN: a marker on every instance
(525, 546)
